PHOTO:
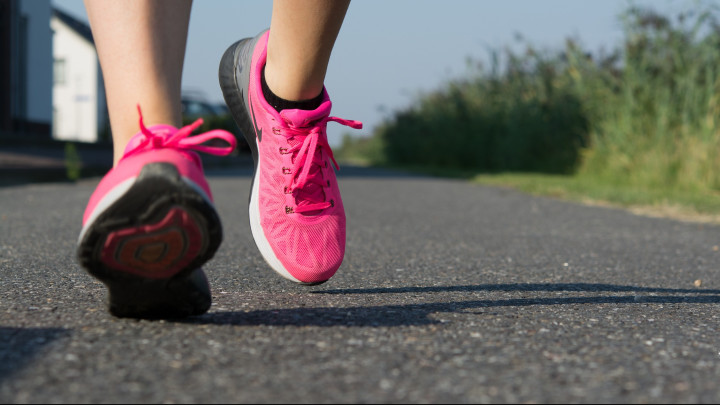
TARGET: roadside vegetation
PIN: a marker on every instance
(637, 125)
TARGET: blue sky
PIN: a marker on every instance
(388, 51)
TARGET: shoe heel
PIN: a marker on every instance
(235, 93)
(149, 245)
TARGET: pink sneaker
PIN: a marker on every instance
(151, 224)
(296, 213)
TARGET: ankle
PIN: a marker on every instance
(301, 82)
(126, 125)
(280, 103)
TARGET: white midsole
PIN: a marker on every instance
(108, 200)
(259, 235)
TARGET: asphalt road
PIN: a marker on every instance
(450, 292)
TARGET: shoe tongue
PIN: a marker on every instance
(305, 118)
(312, 193)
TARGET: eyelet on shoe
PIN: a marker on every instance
(287, 190)
(283, 151)
(286, 170)
(326, 164)
(328, 183)
(332, 203)
(289, 210)
(276, 130)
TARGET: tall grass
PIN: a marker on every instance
(645, 114)
(658, 126)
(525, 117)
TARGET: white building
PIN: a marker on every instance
(25, 69)
(79, 106)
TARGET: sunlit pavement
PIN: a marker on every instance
(450, 292)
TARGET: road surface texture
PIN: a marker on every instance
(450, 292)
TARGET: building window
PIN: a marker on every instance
(59, 71)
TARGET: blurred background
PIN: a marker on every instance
(386, 54)
(610, 93)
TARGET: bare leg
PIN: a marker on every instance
(302, 35)
(141, 46)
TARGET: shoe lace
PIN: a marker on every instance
(181, 139)
(306, 181)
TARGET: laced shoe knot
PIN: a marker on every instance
(170, 137)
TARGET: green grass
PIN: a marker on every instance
(657, 201)
(73, 162)
(667, 202)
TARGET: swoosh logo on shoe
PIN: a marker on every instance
(258, 131)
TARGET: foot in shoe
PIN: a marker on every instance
(296, 212)
(151, 224)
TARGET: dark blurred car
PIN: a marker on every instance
(215, 116)
(194, 109)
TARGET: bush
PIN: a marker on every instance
(524, 119)
(659, 126)
(646, 113)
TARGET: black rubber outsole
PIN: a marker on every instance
(158, 189)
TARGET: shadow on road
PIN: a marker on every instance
(18, 346)
(418, 314)
(577, 287)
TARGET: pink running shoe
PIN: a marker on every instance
(296, 213)
(151, 224)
